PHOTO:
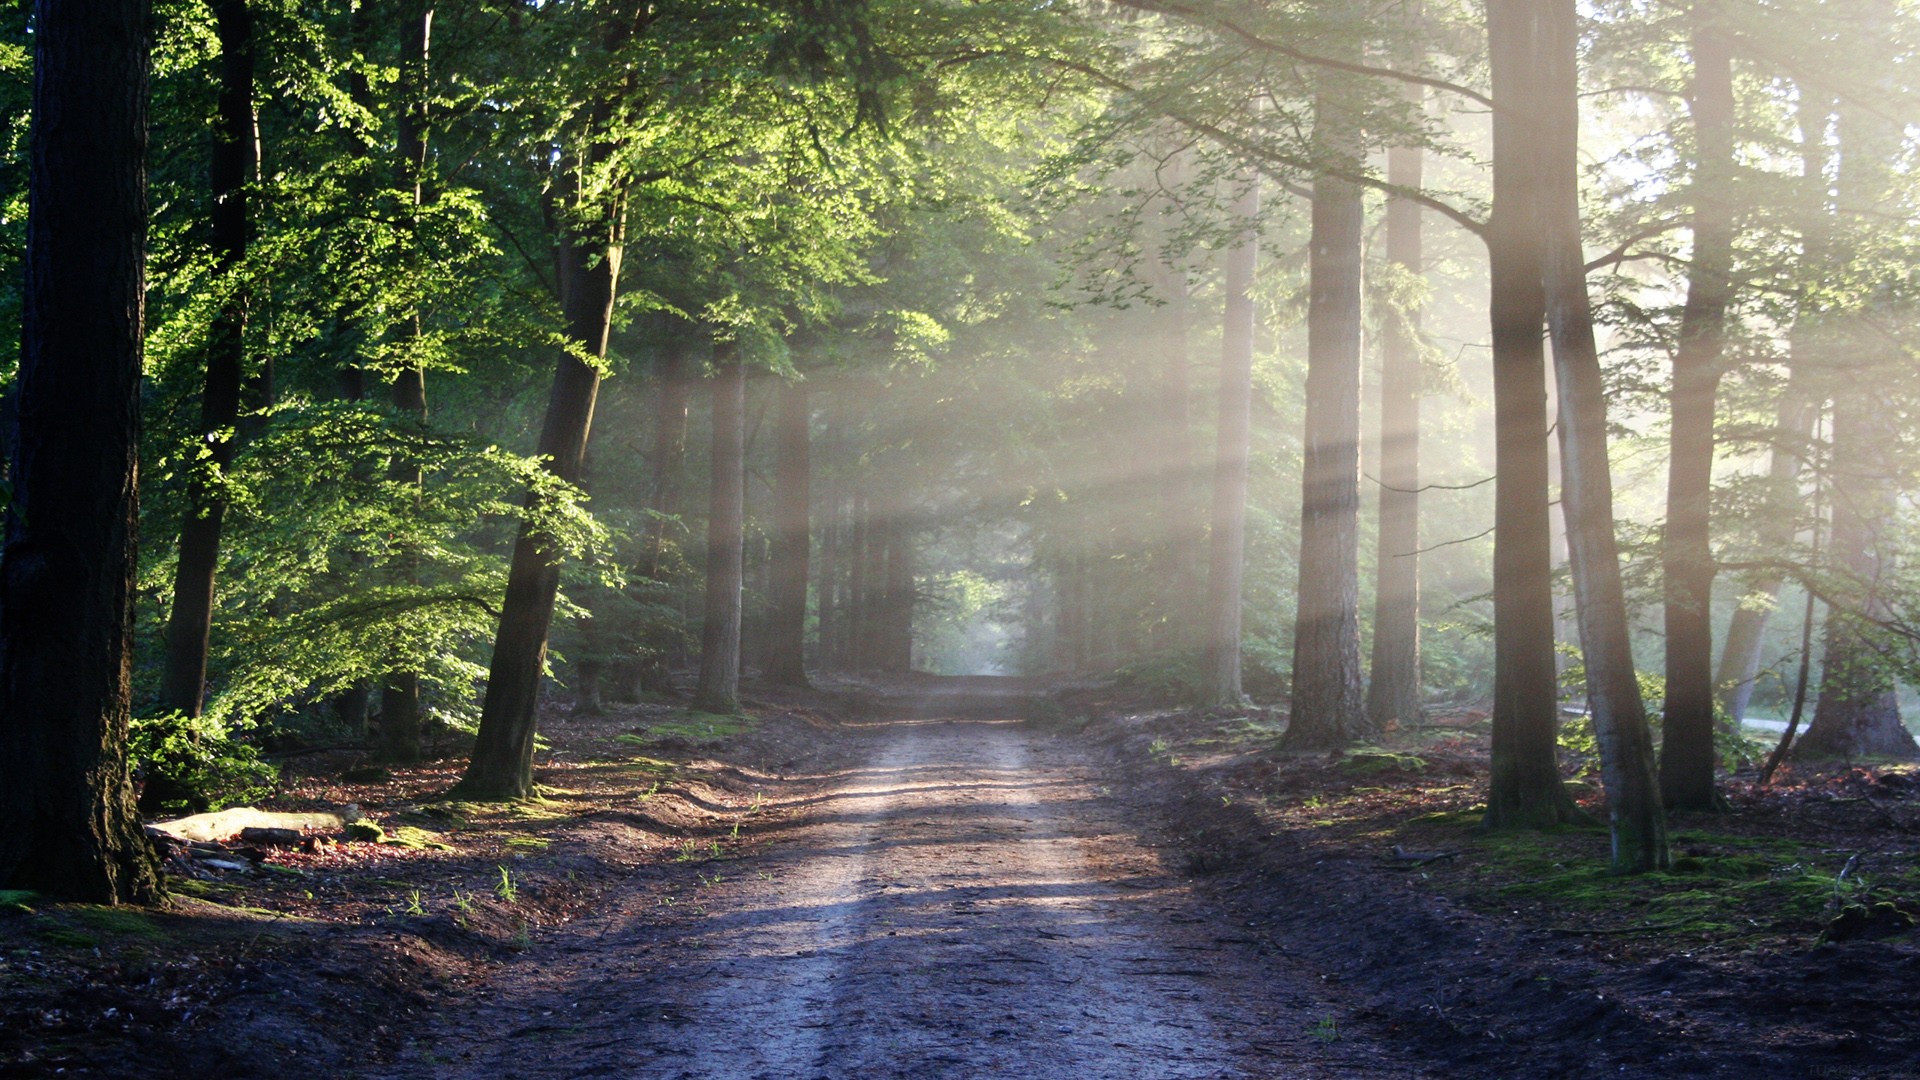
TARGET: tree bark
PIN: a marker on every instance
(1525, 790)
(1394, 677)
(1740, 656)
(190, 618)
(1857, 714)
(792, 539)
(400, 715)
(1686, 749)
(1227, 543)
(68, 570)
(1613, 690)
(502, 764)
(1327, 710)
(718, 690)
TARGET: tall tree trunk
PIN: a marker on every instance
(1740, 656)
(859, 616)
(898, 652)
(1857, 714)
(1613, 690)
(400, 716)
(718, 690)
(190, 620)
(1394, 677)
(502, 765)
(1525, 790)
(672, 395)
(67, 573)
(1327, 710)
(1181, 529)
(1227, 546)
(1686, 750)
(792, 538)
(828, 588)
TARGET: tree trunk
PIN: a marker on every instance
(792, 539)
(1394, 678)
(718, 690)
(1327, 710)
(859, 617)
(400, 715)
(1686, 749)
(67, 574)
(1613, 690)
(897, 654)
(502, 765)
(1740, 656)
(828, 587)
(1857, 714)
(190, 619)
(1525, 790)
(1227, 547)
(673, 393)
(1181, 529)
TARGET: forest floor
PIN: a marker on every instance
(938, 877)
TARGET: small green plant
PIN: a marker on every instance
(1326, 1029)
(522, 938)
(689, 850)
(652, 790)
(1159, 746)
(462, 907)
(506, 889)
(758, 804)
(416, 904)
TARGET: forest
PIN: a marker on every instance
(513, 508)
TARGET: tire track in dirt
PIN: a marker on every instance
(967, 903)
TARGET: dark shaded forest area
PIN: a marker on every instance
(537, 508)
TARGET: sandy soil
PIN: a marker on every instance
(965, 900)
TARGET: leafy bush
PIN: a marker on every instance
(192, 763)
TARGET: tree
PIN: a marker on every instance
(1227, 546)
(1687, 746)
(1326, 708)
(1525, 788)
(502, 762)
(190, 621)
(67, 572)
(1613, 688)
(792, 538)
(1393, 675)
(718, 688)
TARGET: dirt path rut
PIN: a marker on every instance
(966, 903)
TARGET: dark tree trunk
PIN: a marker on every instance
(1394, 677)
(400, 716)
(718, 690)
(1613, 689)
(1227, 548)
(190, 620)
(1525, 790)
(502, 765)
(792, 539)
(1686, 749)
(67, 574)
(1327, 709)
(1740, 656)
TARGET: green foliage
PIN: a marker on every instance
(199, 759)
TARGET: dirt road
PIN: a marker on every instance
(969, 901)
